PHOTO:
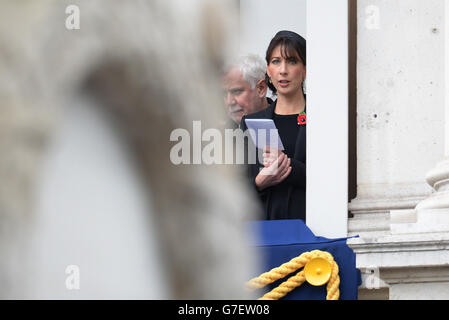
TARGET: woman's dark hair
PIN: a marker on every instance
(292, 46)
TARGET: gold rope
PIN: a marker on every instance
(333, 291)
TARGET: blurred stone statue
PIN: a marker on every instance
(152, 67)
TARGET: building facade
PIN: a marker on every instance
(401, 208)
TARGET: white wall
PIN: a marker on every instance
(327, 112)
(446, 54)
(261, 19)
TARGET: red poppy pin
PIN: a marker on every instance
(302, 119)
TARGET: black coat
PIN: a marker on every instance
(294, 184)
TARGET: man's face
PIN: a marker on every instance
(239, 97)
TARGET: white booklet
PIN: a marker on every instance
(264, 133)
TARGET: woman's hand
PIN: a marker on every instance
(270, 156)
(277, 168)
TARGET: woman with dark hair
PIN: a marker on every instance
(280, 179)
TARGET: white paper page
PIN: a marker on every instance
(264, 133)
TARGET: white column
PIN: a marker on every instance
(438, 177)
(446, 66)
(403, 119)
(400, 107)
(327, 117)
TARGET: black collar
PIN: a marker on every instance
(269, 112)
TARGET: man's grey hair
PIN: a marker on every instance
(252, 67)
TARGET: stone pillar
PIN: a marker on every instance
(403, 130)
(400, 108)
(438, 177)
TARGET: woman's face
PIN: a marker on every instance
(286, 73)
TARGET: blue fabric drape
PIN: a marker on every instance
(279, 241)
